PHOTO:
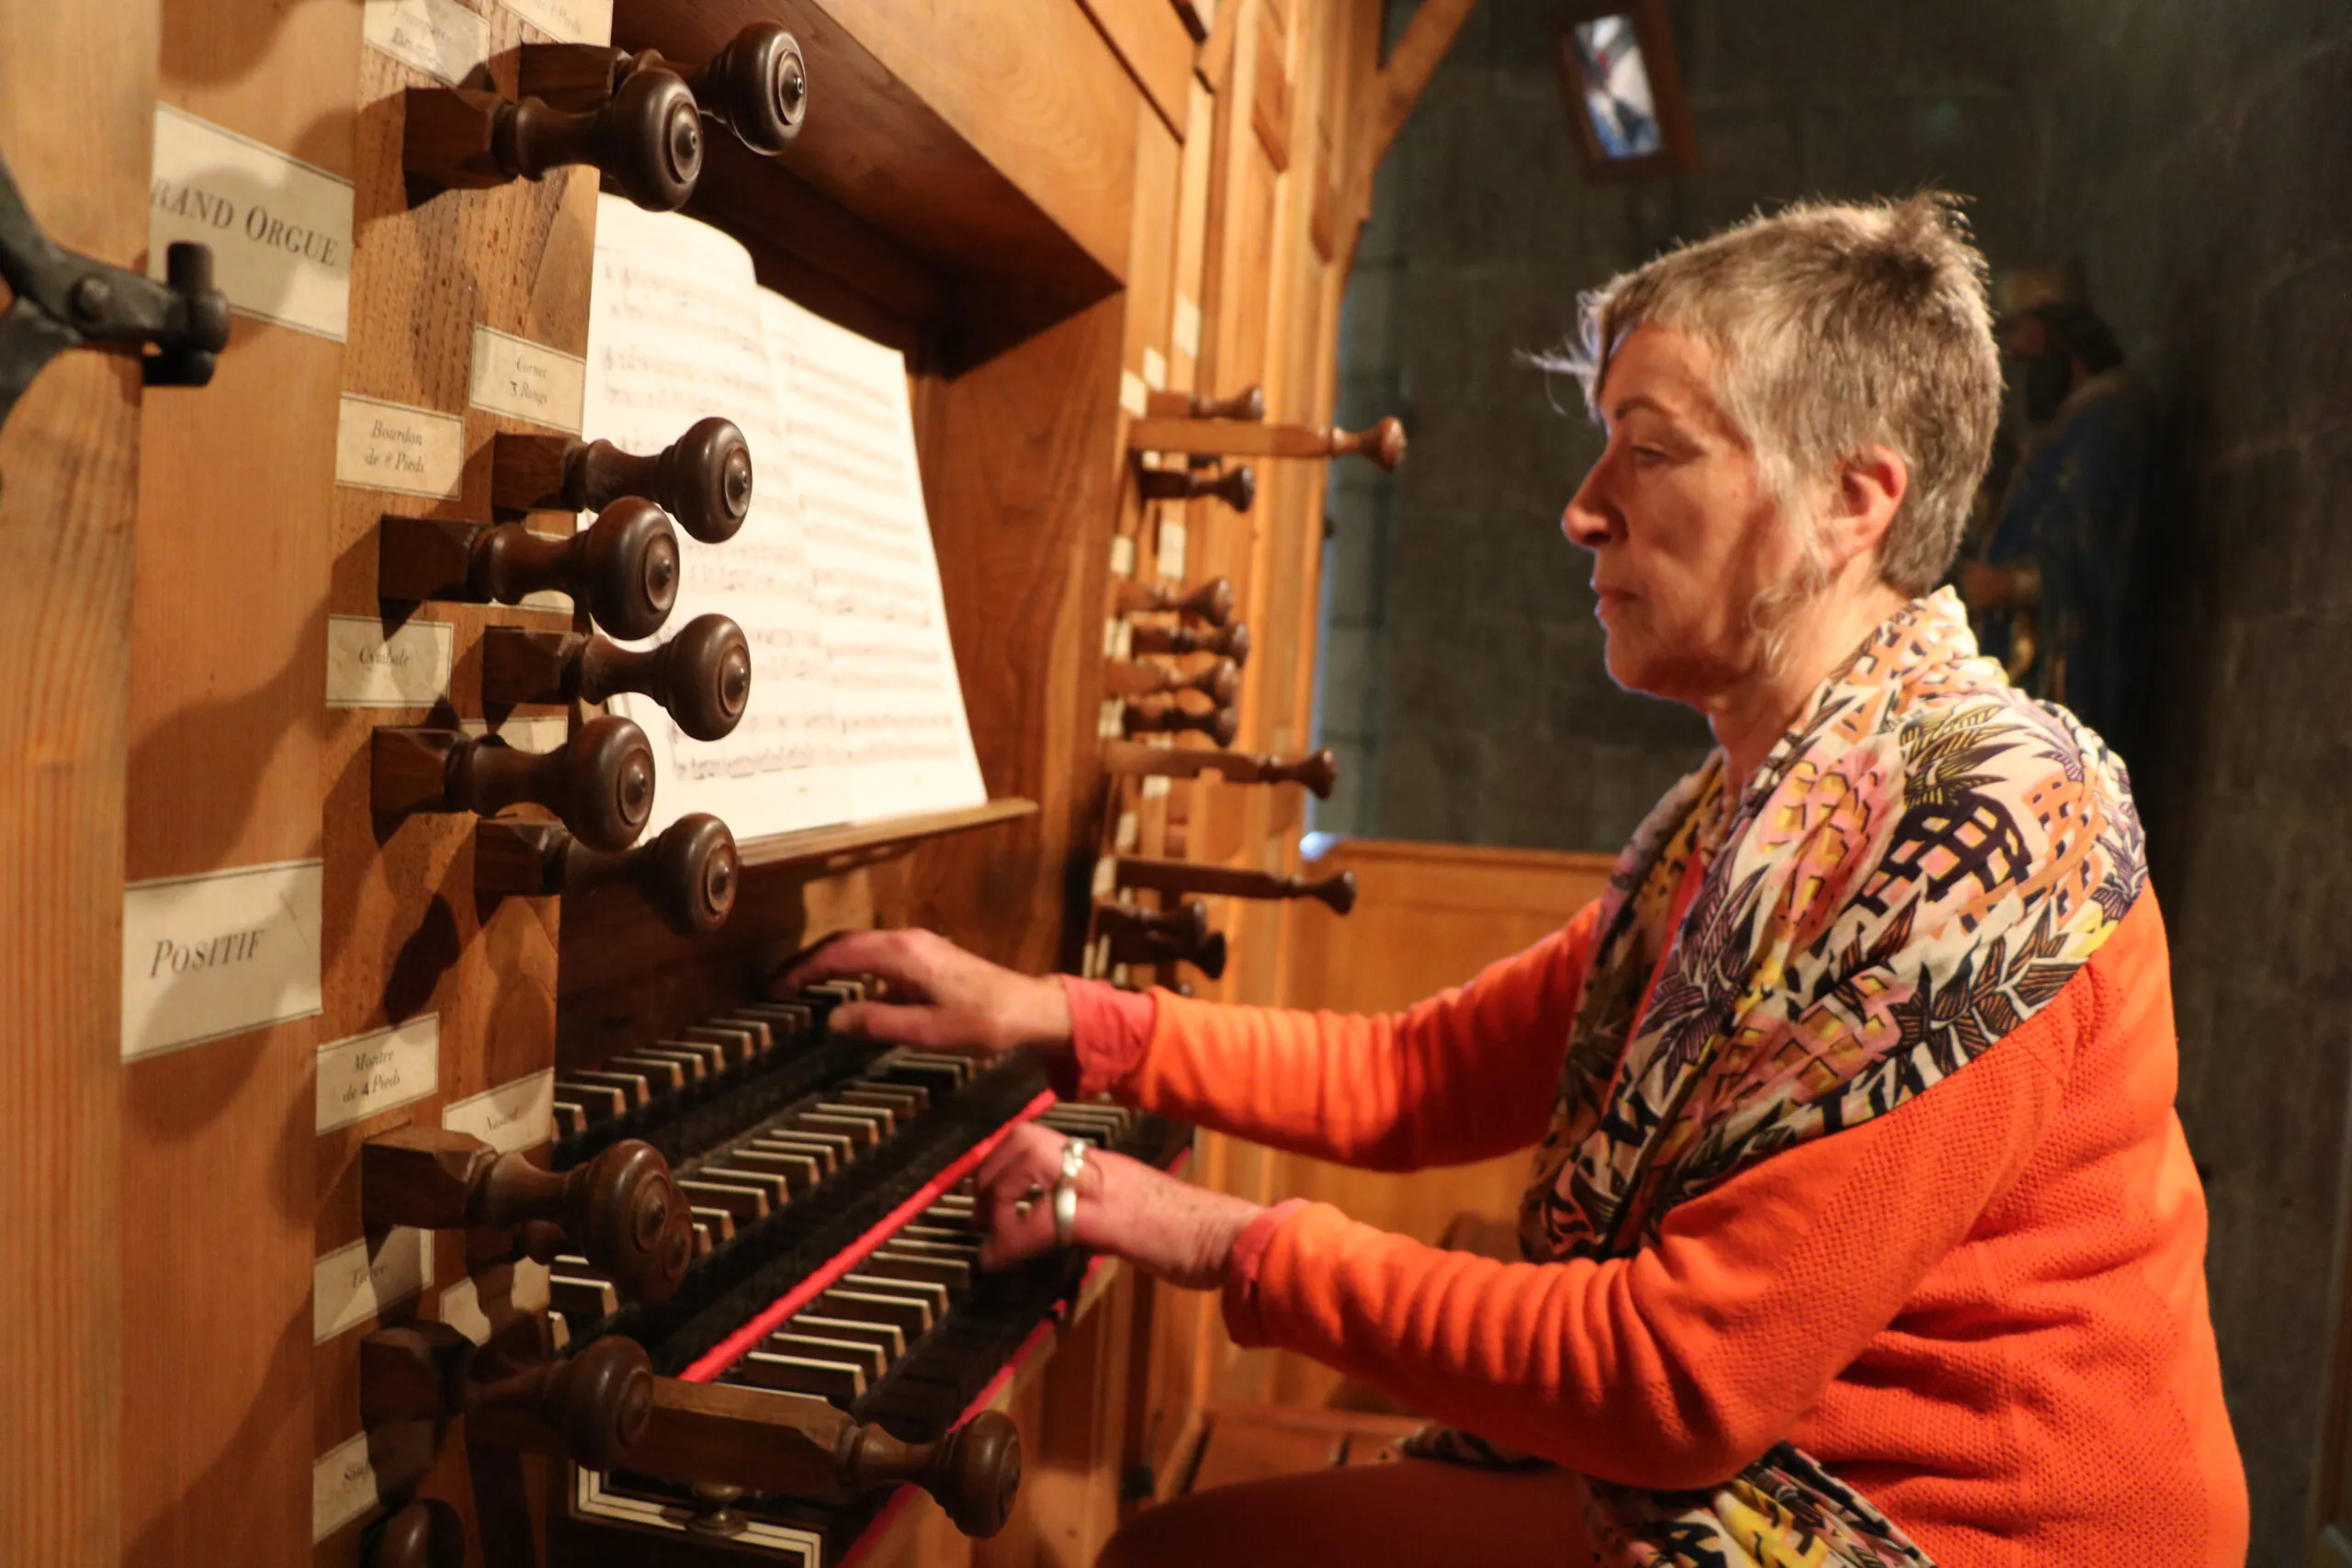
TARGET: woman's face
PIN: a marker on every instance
(1683, 533)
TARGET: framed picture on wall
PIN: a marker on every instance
(1623, 86)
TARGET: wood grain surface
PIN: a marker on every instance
(77, 140)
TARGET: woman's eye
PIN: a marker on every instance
(1650, 457)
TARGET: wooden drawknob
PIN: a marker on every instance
(1232, 642)
(1235, 486)
(600, 785)
(1250, 403)
(757, 87)
(703, 478)
(689, 874)
(426, 1534)
(703, 676)
(646, 140)
(621, 1210)
(622, 569)
(590, 1408)
(974, 1471)
(1212, 601)
(1219, 681)
(1220, 725)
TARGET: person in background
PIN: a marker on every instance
(1860, 1228)
(2053, 593)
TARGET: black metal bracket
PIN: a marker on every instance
(66, 300)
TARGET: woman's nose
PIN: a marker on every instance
(1590, 519)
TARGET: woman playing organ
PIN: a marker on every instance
(1860, 1228)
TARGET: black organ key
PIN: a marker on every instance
(906, 1314)
(931, 1293)
(585, 1297)
(742, 1202)
(864, 1355)
(663, 1075)
(716, 1226)
(570, 1118)
(819, 1157)
(886, 1336)
(778, 1190)
(799, 1133)
(798, 1171)
(861, 1134)
(597, 1101)
(891, 1261)
(837, 1381)
(634, 1089)
(741, 1041)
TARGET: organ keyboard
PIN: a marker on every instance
(837, 1252)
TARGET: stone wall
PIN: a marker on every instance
(2197, 157)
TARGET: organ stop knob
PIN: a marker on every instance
(1236, 486)
(426, 1534)
(621, 1210)
(689, 874)
(1181, 935)
(646, 140)
(1336, 892)
(1220, 725)
(622, 569)
(1212, 601)
(1318, 770)
(602, 1408)
(703, 478)
(757, 86)
(703, 676)
(1219, 681)
(600, 785)
(1232, 642)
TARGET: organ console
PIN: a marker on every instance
(647, 140)
(620, 1210)
(689, 872)
(702, 675)
(600, 785)
(1212, 601)
(1383, 443)
(703, 480)
(1319, 771)
(1230, 642)
(1337, 893)
(1236, 486)
(1181, 935)
(588, 1230)
(757, 86)
(1220, 725)
(622, 569)
(1220, 681)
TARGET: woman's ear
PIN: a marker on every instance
(1869, 488)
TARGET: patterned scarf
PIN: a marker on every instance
(1917, 868)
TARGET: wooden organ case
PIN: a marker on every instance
(424, 1196)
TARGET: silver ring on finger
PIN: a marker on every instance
(1074, 1154)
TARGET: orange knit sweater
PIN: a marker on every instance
(1984, 1310)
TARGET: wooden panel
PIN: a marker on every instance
(1021, 479)
(228, 647)
(77, 134)
(1154, 46)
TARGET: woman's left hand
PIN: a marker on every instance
(1167, 1227)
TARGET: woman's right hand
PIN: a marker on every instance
(936, 996)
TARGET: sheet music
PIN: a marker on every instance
(675, 334)
(849, 430)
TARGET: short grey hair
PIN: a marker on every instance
(1838, 326)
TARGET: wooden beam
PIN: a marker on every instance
(1384, 102)
(1428, 38)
